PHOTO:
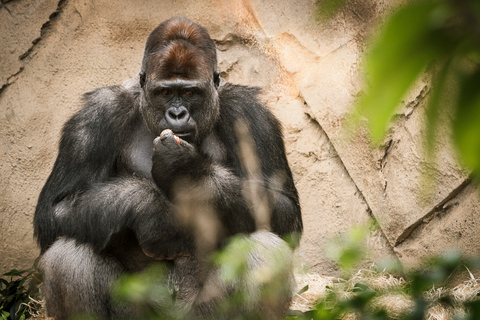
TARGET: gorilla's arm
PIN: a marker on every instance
(189, 177)
(83, 198)
(242, 102)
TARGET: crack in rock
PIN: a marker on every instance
(382, 162)
(412, 105)
(232, 39)
(3, 4)
(317, 124)
(359, 193)
(11, 79)
(44, 32)
(428, 217)
(45, 29)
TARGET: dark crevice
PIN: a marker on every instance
(427, 218)
(3, 4)
(45, 31)
(412, 105)
(409, 109)
(383, 161)
(11, 79)
(231, 40)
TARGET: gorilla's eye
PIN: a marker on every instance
(165, 92)
(189, 92)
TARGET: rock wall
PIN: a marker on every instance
(52, 51)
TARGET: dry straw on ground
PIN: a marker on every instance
(392, 297)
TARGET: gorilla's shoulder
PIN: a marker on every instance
(238, 101)
(108, 108)
(238, 93)
(124, 96)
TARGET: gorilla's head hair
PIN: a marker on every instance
(179, 48)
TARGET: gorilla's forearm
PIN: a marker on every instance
(218, 190)
(245, 205)
(106, 209)
(229, 199)
(286, 218)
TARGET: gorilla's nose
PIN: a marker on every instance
(177, 116)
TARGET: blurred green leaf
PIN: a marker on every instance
(411, 39)
(232, 261)
(304, 289)
(436, 105)
(14, 273)
(348, 249)
(142, 287)
(466, 124)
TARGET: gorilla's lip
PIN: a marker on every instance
(184, 135)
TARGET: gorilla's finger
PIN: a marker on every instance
(166, 134)
(166, 141)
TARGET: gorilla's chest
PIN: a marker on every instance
(138, 154)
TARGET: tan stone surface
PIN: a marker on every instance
(456, 221)
(311, 75)
(21, 27)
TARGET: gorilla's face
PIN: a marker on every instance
(180, 79)
(188, 107)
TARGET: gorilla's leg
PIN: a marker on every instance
(77, 281)
(266, 287)
(269, 281)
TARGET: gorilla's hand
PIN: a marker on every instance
(178, 245)
(173, 158)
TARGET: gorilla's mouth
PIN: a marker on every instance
(187, 136)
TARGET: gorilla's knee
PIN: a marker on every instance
(77, 281)
(269, 280)
(265, 286)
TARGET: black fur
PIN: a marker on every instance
(112, 198)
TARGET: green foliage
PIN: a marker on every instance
(15, 295)
(466, 126)
(145, 291)
(410, 41)
(352, 296)
(440, 36)
(349, 249)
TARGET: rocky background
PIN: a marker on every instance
(52, 51)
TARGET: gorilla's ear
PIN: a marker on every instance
(216, 79)
(142, 78)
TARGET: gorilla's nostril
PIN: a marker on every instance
(179, 113)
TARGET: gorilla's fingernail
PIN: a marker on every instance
(165, 133)
(148, 254)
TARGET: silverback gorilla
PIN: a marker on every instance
(128, 161)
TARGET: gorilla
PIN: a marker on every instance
(154, 171)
